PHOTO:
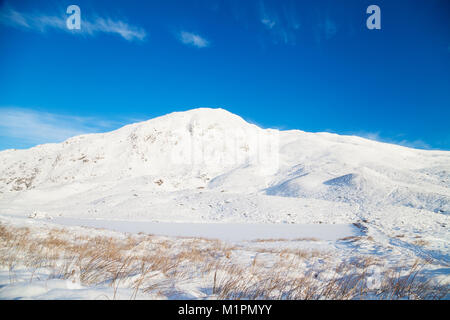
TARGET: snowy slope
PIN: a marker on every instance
(191, 154)
(347, 196)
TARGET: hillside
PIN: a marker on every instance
(208, 174)
(191, 155)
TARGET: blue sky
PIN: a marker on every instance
(309, 65)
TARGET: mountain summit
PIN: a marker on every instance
(204, 153)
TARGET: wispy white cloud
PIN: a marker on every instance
(35, 127)
(376, 136)
(193, 39)
(268, 23)
(9, 16)
(282, 25)
(123, 29)
(41, 22)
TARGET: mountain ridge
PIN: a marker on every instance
(214, 150)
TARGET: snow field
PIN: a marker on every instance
(41, 260)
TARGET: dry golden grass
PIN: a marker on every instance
(270, 240)
(151, 264)
(420, 242)
(285, 240)
(345, 283)
(351, 238)
(306, 239)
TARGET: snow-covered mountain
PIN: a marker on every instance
(209, 164)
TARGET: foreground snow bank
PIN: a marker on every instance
(56, 289)
(41, 260)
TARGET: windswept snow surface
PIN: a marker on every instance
(223, 231)
(211, 166)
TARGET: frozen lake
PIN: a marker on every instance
(222, 231)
